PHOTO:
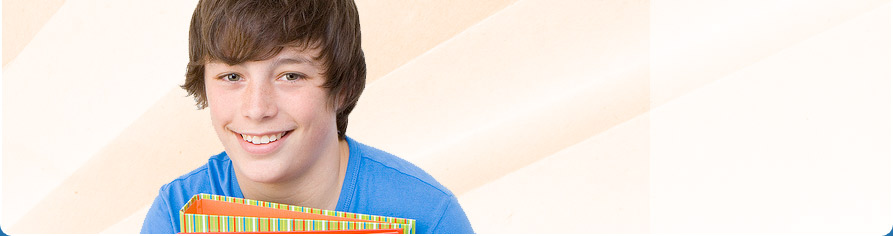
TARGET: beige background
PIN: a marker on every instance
(542, 116)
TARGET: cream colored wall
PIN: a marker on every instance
(600, 116)
(32, 15)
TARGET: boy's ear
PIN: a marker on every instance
(338, 99)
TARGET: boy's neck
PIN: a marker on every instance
(319, 187)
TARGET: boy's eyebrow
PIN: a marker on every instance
(289, 60)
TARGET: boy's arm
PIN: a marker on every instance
(158, 219)
(453, 220)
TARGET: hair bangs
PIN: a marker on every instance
(242, 31)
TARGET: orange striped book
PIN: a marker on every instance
(207, 213)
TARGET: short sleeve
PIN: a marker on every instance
(453, 220)
(158, 219)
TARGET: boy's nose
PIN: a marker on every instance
(258, 102)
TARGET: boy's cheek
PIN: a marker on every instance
(220, 102)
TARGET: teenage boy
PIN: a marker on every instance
(280, 78)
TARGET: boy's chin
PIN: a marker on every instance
(263, 175)
(264, 170)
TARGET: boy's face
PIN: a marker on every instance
(271, 116)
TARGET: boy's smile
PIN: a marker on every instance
(261, 143)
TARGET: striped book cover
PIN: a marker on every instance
(208, 213)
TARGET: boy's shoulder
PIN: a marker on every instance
(380, 165)
(212, 177)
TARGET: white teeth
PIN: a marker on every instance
(262, 139)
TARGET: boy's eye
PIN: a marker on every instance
(291, 76)
(231, 77)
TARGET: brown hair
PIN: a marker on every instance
(236, 31)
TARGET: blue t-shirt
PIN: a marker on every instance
(376, 183)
